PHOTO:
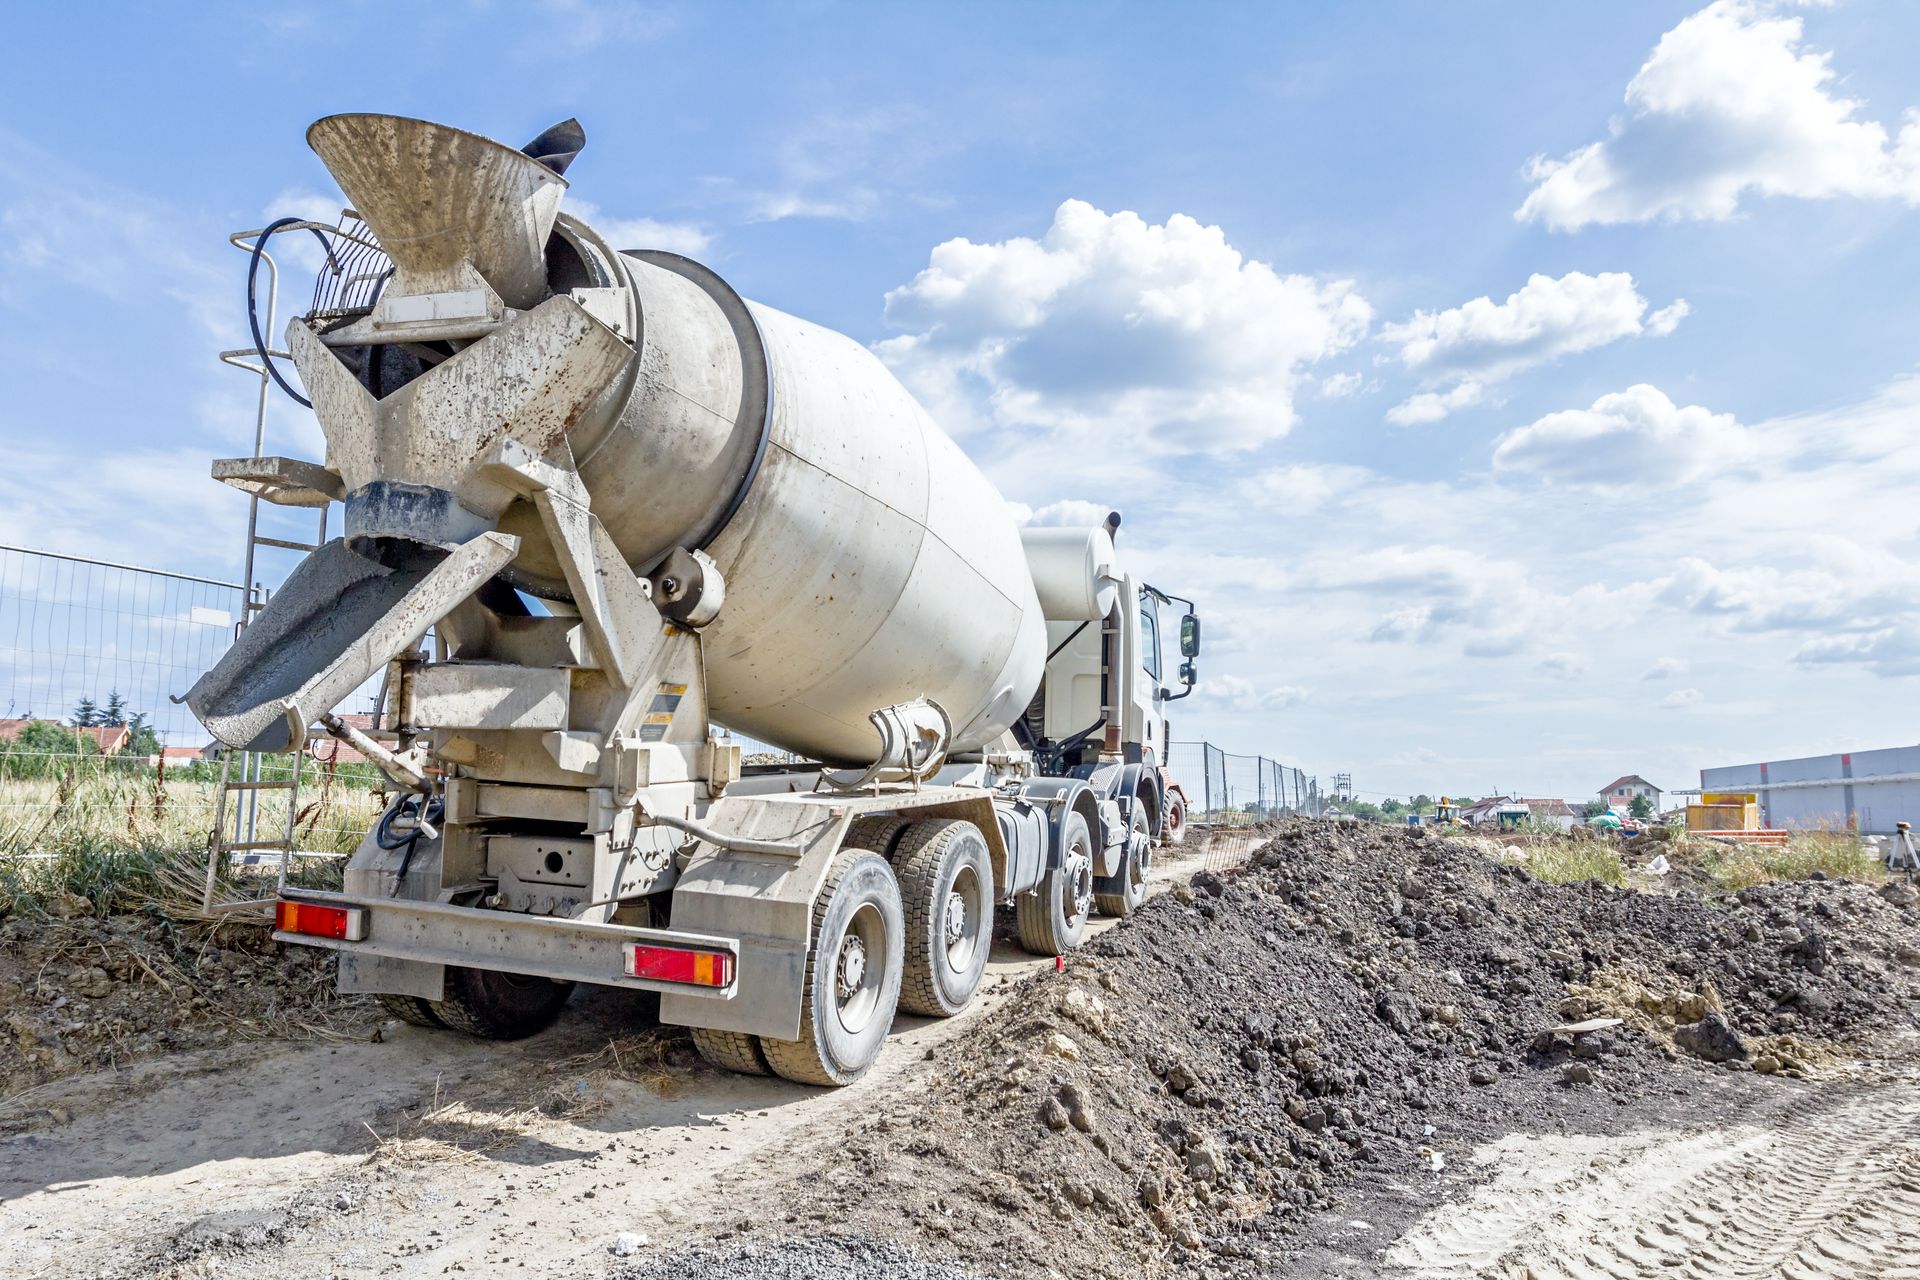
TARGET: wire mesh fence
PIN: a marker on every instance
(78, 636)
(1228, 795)
(1226, 789)
(96, 760)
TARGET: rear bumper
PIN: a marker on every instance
(543, 946)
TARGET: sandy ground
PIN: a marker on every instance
(266, 1163)
(1825, 1187)
(256, 1162)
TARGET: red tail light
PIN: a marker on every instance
(349, 924)
(680, 964)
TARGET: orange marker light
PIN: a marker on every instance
(349, 924)
(680, 964)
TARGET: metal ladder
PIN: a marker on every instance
(236, 839)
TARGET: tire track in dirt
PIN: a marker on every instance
(1827, 1189)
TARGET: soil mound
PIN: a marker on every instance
(81, 993)
(1199, 1081)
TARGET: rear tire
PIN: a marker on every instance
(946, 890)
(1052, 917)
(499, 1006)
(731, 1051)
(852, 982)
(1122, 893)
(411, 1009)
(1174, 832)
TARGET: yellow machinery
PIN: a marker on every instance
(1725, 811)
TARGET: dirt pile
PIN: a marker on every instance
(1200, 1081)
(81, 993)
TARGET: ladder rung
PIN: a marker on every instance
(281, 784)
(240, 846)
(282, 543)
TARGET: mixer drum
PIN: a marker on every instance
(867, 561)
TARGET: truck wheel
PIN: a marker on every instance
(853, 975)
(1122, 893)
(946, 888)
(411, 1009)
(1052, 917)
(499, 1006)
(1174, 831)
(731, 1051)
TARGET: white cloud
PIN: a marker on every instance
(1729, 104)
(1066, 513)
(642, 233)
(44, 503)
(1680, 699)
(1631, 437)
(1664, 668)
(1114, 330)
(1431, 406)
(1482, 342)
(1240, 694)
(67, 230)
(1841, 583)
(582, 25)
(1564, 666)
(845, 165)
(1339, 385)
(1304, 486)
(1889, 651)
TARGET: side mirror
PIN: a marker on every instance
(1190, 637)
(1187, 674)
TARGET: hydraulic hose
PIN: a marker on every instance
(253, 296)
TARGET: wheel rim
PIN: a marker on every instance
(960, 921)
(1078, 897)
(859, 967)
(1141, 861)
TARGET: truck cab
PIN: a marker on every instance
(1118, 654)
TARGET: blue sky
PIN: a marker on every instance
(1647, 506)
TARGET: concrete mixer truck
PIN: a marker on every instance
(625, 510)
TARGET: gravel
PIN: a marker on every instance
(818, 1258)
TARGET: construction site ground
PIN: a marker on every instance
(1356, 1052)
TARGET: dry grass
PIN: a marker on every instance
(1837, 854)
(123, 838)
(1562, 861)
(1558, 858)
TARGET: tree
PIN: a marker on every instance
(1594, 809)
(45, 736)
(1641, 807)
(1393, 808)
(85, 714)
(115, 712)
